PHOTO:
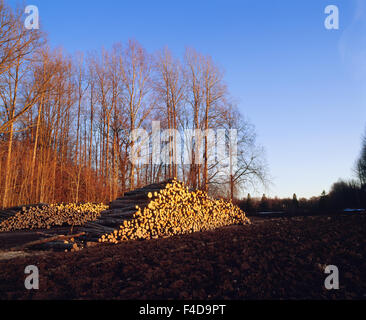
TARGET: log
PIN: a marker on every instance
(52, 239)
(154, 187)
(20, 208)
(116, 223)
(123, 204)
(121, 211)
(136, 197)
(90, 229)
(98, 226)
(118, 215)
(142, 192)
(94, 235)
(7, 214)
(44, 234)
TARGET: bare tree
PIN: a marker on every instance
(244, 166)
(136, 68)
(195, 97)
(169, 84)
(361, 164)
(15, 65)
(17, 46)
(214, 95)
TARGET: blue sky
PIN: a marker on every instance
(301, 85)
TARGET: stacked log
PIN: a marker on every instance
(6, 214)
(11, 212)
(155, 211)
(173, 210)
(46, 217)
(120, 210)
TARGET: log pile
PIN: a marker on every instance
(121, 210)
(6, 214)
(11, 212)
(49, 216)
(170, 211)
(158, 210)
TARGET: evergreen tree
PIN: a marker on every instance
(264, 206)
(295, 202)
(249, 204)
(323, 201)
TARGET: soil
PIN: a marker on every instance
(274, 258)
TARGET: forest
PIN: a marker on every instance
(66, 123)
(66, 120)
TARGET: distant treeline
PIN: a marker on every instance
(343, 195)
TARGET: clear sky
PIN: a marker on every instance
(301, 85)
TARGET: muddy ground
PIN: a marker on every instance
(274, 258)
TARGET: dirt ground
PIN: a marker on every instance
(274, 258)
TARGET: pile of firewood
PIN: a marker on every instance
(48, 216)
(173, 211)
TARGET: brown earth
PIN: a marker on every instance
(274, 258)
